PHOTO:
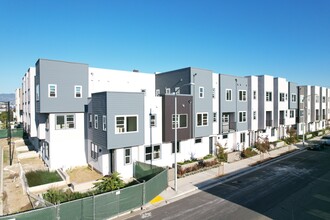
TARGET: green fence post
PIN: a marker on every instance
(144, 192)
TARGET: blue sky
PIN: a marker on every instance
(282, 38)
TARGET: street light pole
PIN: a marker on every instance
(176, 135)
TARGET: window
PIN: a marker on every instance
(286, 97)
(153, 120)
(96, 121)
(242, 137)
(214, 117)
(65, 122)
(104, 122)
(177, 90)
(181, 119)
(202, 119)
(177, 149)
(224, 136)
(282, 97)
(78, 91)
(241, 116)
(46, 145)
(293, 97)
(254, 94)
(228, 94)
(254, 115)
(128, 156)
(268, 96)
(152, 152)
(198, 140)
(272, 132)
(225, 118)
(37, 92)
(213, 93)
(242, 95)
(201, 92)
(323, 99)
(157, 92)
(301, 99)
(126, 124)
(90, 116)
(317, 98)
(94, 151)
(52, 90)
(291, 113)
(168, 90)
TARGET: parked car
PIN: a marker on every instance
(325, 140)
(315, 146)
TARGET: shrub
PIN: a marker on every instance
(208, 156)
(109, 183)
(221, 154)
(56, 196)
(248, 152)
(40, 177)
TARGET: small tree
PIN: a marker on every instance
(292, 136)
(109, 183)
(263, 144)
(221, 154)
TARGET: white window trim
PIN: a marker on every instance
(178, 127)
(153, 122)
(231, 95)
(125, 128)
(207, 119)
(167, 90)
(65, 123)
(254, 94)
(295, 99)
(75, 91)
(270, 98)
(153, 152)
(280, 97)
(94, 151)
(96, 121)
(239, 113)
(104, 122)
(49, 85)
(244, 95)
(201, 93)
(157, 93)
(254, 116)
(129, 156)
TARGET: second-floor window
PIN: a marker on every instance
(282, 97)
(293, 98)
(90, 122)
(52, 90)
(215, 117)
(241, 116)
(202, 119)
(254, 115)
(254, 94)
(65, 122)
(37, 92)
(181, 120)
(78, 91)
(126, 124)
(268, 96)
(242, 95)
(291, 113)
(153, 120)
(225, 118)
(96, 121)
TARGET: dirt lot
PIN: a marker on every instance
(15, 199)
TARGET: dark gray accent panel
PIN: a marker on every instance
(66, 76)
(172, 79)
(99, 108)
(293, 89)
(184, 106)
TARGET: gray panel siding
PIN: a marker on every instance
(203, 79)
(65, 75)
(261, 101)
(293, 89)
(121, 103)
(234, 106)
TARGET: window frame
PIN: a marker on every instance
(178, 150)
(66, 122)
(242, 95)
(215, 116)
(125, 124)
(292, 113)
(37, 92)
(154, 155)
(49, 91)
(76, 93)
(282, 97)
(229, 92)
(294, 97)
(268, 96)
(129, 157)
(202, 114)
(94, 151)
(254, 116)
(96, 121)
(242, 116)
(254, 94)
(201, 92)
(179, 121)
(104, 122)
(153, 121)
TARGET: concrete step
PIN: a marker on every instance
(29, 154)
(22, 149)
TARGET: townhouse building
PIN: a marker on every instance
(77, 115)
(18, 106)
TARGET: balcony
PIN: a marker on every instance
(228, 127)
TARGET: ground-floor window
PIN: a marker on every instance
(128, 155)
(242, 137)
(177, 149)
(46, 148)
(94, 151)
(152, 152)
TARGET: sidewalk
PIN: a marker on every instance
(209, 178)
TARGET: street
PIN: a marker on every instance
(294, 188)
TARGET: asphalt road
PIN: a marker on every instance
(294, 188)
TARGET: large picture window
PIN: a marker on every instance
(202, 119)
(126, 124)
(181, 119)
(65, 122)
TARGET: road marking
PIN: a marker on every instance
(146, 215)
(156, 200)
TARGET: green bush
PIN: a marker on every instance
(56, 196)
(248, 152)
(208, 156)
(40, 177)
(109, 183)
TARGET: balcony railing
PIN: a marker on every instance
(228, 126)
